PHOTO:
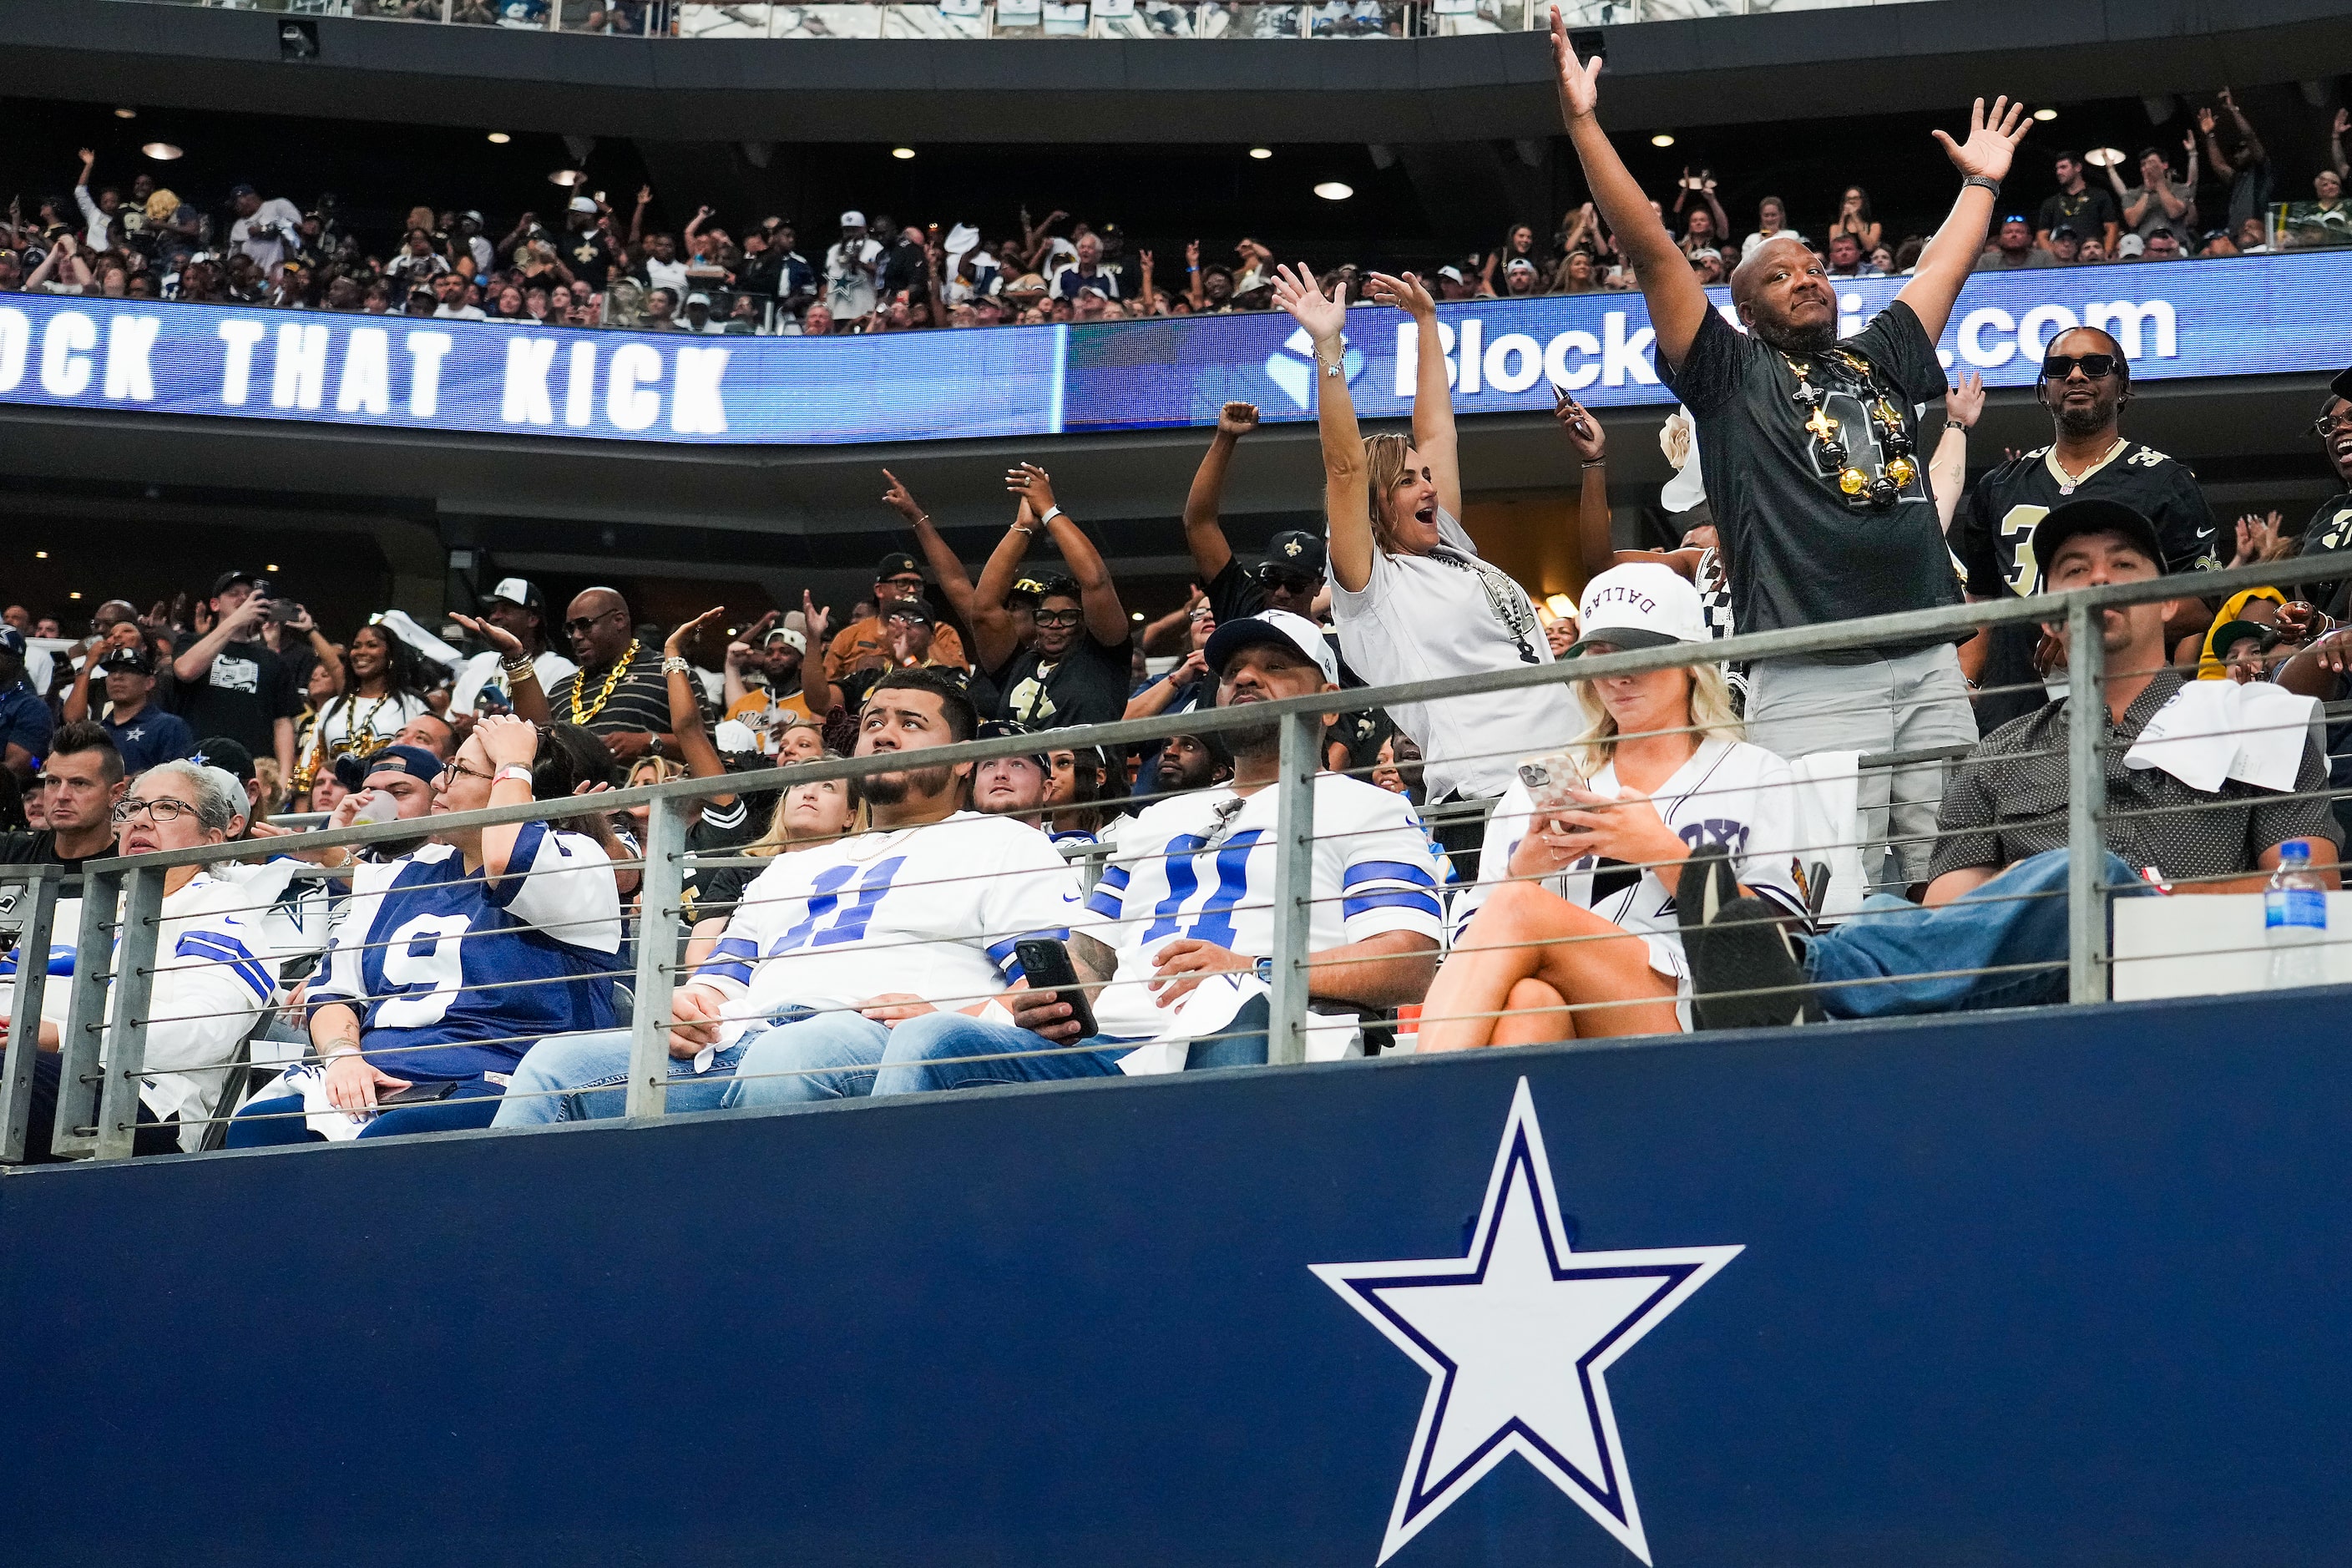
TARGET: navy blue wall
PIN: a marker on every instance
(2073, 1289)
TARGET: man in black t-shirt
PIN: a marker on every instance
(1810, 450)
(1076, 670)
(2077, 204)
(81, 781)
(2330, 528)
(2087, 458)
(229, 682)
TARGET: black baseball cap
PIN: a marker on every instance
(227, 580)
(2342, 385)
(2093, 514)
(897, 564)
(1295, 549)
(220, 752)
(906, 610)
(1025, 591)
(134, 658)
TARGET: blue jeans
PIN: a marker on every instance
(2019, 917)
(278, 1120)
(584, 1077)
(841, 1055)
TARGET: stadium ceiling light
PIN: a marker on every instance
(2104, 157)
(499, 138)
(902, 153)
(1261, 153)
(126, 112)
(161, 152)
(1662, 138)
(2045, 115)
(567, 178)
(76, 593)
(271, 568)
(40, 555)
(1335, 191)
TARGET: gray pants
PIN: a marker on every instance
(1797, 706)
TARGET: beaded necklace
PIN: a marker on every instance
(1882, 489)
(612, 682)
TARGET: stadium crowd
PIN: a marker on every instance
(1617, 856)
(594, 265)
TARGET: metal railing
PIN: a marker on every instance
(103, 1048)
(724, 19)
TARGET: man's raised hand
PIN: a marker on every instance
(1992, 139)
(1580, 80)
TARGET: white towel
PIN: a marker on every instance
(2215, 730)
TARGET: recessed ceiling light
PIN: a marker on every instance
(40, 555)
(567, 178)
(1335, 191)
(1261, 153)
(2045, 114)
(161, 152)
(1662, 138)
(499, 138)
(76, 593)
(126, 112)
(1135, 615)
(902, 152)
(271, 568)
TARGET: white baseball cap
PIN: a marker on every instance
(582, 205)
(1281, 628)
(1638, 604)
(853, 218)
(789, 635)
(515, 591)
(734, 735)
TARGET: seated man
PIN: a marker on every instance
(419, 989)
(1181, 925)
(1996, 893)
(214, 968)
(835, 945)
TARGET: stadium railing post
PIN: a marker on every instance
(95, 959)
(657, 956)
(1294, 886)
(135, 958)
(2086, 804)
(38, 908)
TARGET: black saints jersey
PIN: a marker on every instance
(1995, 545)
(2330, 528)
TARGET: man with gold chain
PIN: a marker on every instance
(1813, 469)
(619, 692)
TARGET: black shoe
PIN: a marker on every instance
(1744, 969)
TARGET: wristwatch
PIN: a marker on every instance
(1986, 181)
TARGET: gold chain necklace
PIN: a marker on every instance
(612, 682)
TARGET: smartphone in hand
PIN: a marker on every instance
(1047, 964)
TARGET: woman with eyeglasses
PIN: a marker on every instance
(215, 971)
(1412, 597)
(449, 962)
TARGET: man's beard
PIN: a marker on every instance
(1255, 738)
(1171, 777)
(1795, 340)
(2087, 419)
(892, 789)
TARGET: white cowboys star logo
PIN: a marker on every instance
(1293, 370)
(1516, 1337)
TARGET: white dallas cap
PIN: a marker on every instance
(1282, 629)
(1638, 604)
(515, 591)
(853, 219)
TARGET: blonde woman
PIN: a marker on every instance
(1572, 934)
(1411, 599)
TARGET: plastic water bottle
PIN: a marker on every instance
(2295, 920)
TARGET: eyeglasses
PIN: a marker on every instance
(1058, 618)
(2095, 367)
(160, 810)
(580, 625)
(2327, 424)
(456, 769)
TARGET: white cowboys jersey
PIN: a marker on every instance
(931, 911)
(1200, 867)
(1728, 792)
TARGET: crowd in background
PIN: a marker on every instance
(593, 264)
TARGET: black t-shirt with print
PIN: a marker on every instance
(1801, 551)
(241, 695)
(1995, 545)
(2087, 215)
(589, 257)
(1088, 684)
(2329, 528)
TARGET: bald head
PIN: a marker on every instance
(598, 626)
(1782, 293)
(1782, 250)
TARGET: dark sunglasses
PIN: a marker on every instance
(2058, 367)
(2326, 424)
(1289, 582)
(580, 625)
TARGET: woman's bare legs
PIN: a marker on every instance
(1526, 934)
